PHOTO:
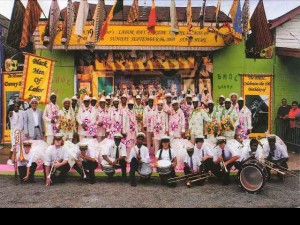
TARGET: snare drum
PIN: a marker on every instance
(164, 167)
(108, 170)
(253, 176)
(145, 171)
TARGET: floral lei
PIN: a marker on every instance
(54, 117)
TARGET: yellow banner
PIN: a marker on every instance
(139, 36)
(12, 85)
(258, 90)
(37, 76)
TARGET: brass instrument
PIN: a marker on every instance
(281, 170)
(223, 167)
(18, 141)
(190, 179)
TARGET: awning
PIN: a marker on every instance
(139, 65)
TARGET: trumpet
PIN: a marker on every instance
(190, 179)
(281, 170)
(84, 174)
(223, 167)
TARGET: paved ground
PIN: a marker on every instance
(76, 194)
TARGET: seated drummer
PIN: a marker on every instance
(27, 167)
(86, 162)
(138, 155)
(277, 154)
(204, 153)
(192, 163)
(165, 152)
(226, 155)
(57, 157)
(115, 155)
(252, 151)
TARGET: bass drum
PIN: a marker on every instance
(253, 176)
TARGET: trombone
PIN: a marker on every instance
(190, 179)
(283, 171)
(18, 142)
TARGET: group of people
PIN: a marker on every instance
(129, 124)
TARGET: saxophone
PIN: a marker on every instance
(18, 141)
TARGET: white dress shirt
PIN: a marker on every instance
(229, 153)
(280, 152)
(205, 151)
(54, 154)
(145, 155)
(111, 152)
(28, 159)
(165, 155)
(196, 161)
(35, 117)
(90, 153)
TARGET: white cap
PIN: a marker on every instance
(175, 102)
(59, 135)
(183, 92)
(165, 138)
(222, 96)
(219, 139)
(87, 98)
(52, 94)
(160, 102)
(169, 95)
(271, 136)
(228, 100)
(33, 100)
(66, 100)
(118, 135)
(210, 102)
(241, 99)
(189, 96)
(141, 134)
(74, 98)
(130, 102)
(102, 100)
(200, 137)
(116, 100)
(205, 89)
(124, 96)
(138, 97)
(151, 97)
(107, 97)
(232, 94)
(195, 99)
(83, 145)
(94, 98)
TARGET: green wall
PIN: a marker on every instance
(287, 80)
(63, 79)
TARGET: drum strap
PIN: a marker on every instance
(161, 151)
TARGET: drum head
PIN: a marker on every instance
(252, 178)
(145, 170)
(164, 163)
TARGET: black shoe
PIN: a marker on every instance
(124, 180)
(32, 181)
(133, 184)
(93, 182)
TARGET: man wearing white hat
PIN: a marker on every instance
(187, 108)
(67, 120)
(221, 104)
(206, 96)
(161, 124)
(130, 126)
(196, 123)
(33, 122)
(108, 102)
(229, 114)
(87, 120)
(245, 120)
(234, 99)
(168, 104)
(103, 120)
(50, 117)
(176, 122)
(116, 119)
(148, 121)
(94, 102)
(139, 154)
(139, 112)
(124, 100)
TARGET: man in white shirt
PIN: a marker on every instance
(139, 154)
(204, 151)
(115, 156)
(33, 122)
(50, 116)
(57, 158)
(224, 158)
(148, 117)
(16, 118)
(276, 154)
(244, 120)
(27, 167)
(192, 162)
(86, 162)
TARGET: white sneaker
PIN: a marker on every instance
(10, 162)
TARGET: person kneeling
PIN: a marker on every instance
(192, 165)
(56, 160)
(166, 162)
(86, 163)
(139, 155)
(114, 157)
(26, 166)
